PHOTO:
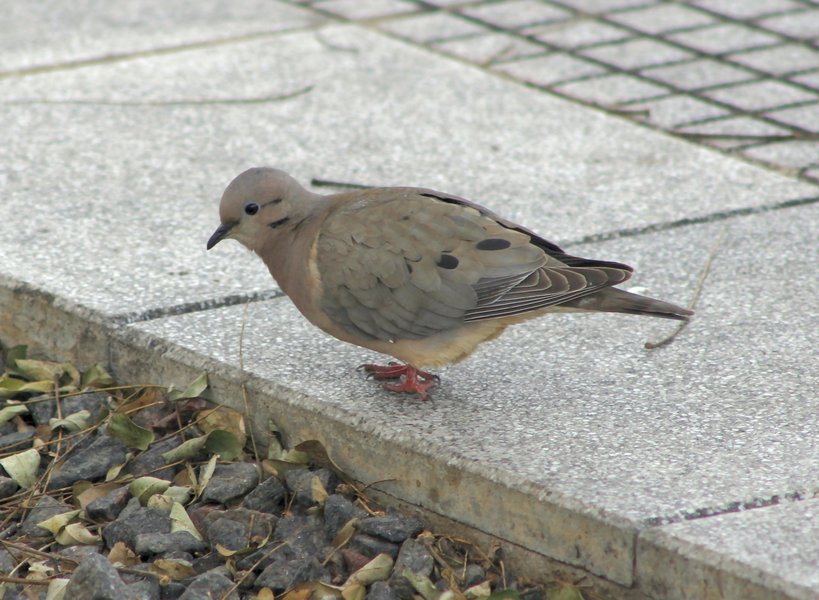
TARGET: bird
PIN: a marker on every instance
(413, 273)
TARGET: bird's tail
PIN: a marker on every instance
(619, 301)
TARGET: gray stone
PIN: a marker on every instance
(267, 497)
(371, 546)
(337, 512)
(238, 528)
(91, 463)
(160, 543)
(380, 590)
(131, 523)
(230, 482)
(286, 573)
(45, 508)
(16, 439)
(8, 487)
(150, 462)
(108, 507)
(95, 578)
(415, 557)
(391, 527)
(210, 585)
(145, 589)
(304, 537)
(300, 481)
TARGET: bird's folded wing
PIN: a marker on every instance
(398, 264)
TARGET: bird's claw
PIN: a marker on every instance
(410, 379)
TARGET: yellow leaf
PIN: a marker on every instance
(122, 555)
(145, 487)
(378, 569)
(174, 568)
(56, 523)
(76, 533)
(355, 591)
(180, 521)
(22, 467)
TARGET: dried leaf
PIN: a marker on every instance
(224, 444)
(194, 389)
(160, 502)
(180, 521)
(344, 534)
(303, 591)
(22, 467)
(56, 589)
(114, 471)
(56, 523)
(38, 370)
(355, 591)
(511, 595)
(187, 450)
(176, 569)
(265, 594)
(179, 493)
(317, 455)
(226, 552)
(479, 591)
(93, 492)
(74, 422)
(10, 386)
(8, 412)
(378, 569)
(145, 487)
(422, 585)
(122, 556)
(564, 592)
(129, 433)
(317, 491)
(96, 377)
(205, 474)
(76, 533)
(225, 419)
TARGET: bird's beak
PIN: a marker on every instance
(219, 234)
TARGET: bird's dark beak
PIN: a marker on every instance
(219, 234)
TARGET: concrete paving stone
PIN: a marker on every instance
(779, 60)
(490, 48)
(747, 9)
(796, 154)
(550, 69)
(760, 95)
(698, 73)
(735, 126)
(611, 90)
(661, 18)
(721, 39)
(759, 554)
(803, 25)
(674, 111)
(42, 33)
(513, 14)
(431, 27)
(612, 433)
(636, 53)
(804, 117)
(356, 10)
(808, 79)
(812, 173)
(578, 32)
(134, 155)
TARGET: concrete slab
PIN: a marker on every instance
(570, 435)
(754, 554)
(111, 178)
(39, 35)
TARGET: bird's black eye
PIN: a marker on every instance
(251, 208)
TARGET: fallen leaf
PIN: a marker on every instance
(187, 450)
(76, 533)
(96, 377)
(129, 433)
(563, 592)
(224, 444)
(180, 521)
(121, 555)
(8, 412)
(22, 467)
(224, 419)
(145, 487)
(56, 589)
(378, 569)
(175, 568)
(74, 422)
(194, 389)
(56, 523)
(93, 492)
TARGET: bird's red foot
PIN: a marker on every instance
(409, 378)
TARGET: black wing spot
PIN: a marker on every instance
(278, 223)
(447, 261)
(493, 244)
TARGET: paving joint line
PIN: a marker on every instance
(714, 217)
(153, 314)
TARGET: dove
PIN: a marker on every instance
(416, 274)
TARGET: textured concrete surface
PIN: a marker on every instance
(779, 546)
(565, 436)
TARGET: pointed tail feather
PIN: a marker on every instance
(620, 301)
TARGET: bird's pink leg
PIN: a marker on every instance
(410, 379)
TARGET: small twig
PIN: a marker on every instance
(244, 391)
(697, 291)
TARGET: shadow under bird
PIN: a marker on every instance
(413, 273)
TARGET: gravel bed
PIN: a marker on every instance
(140, 492)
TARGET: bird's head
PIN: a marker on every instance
(256, 202)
